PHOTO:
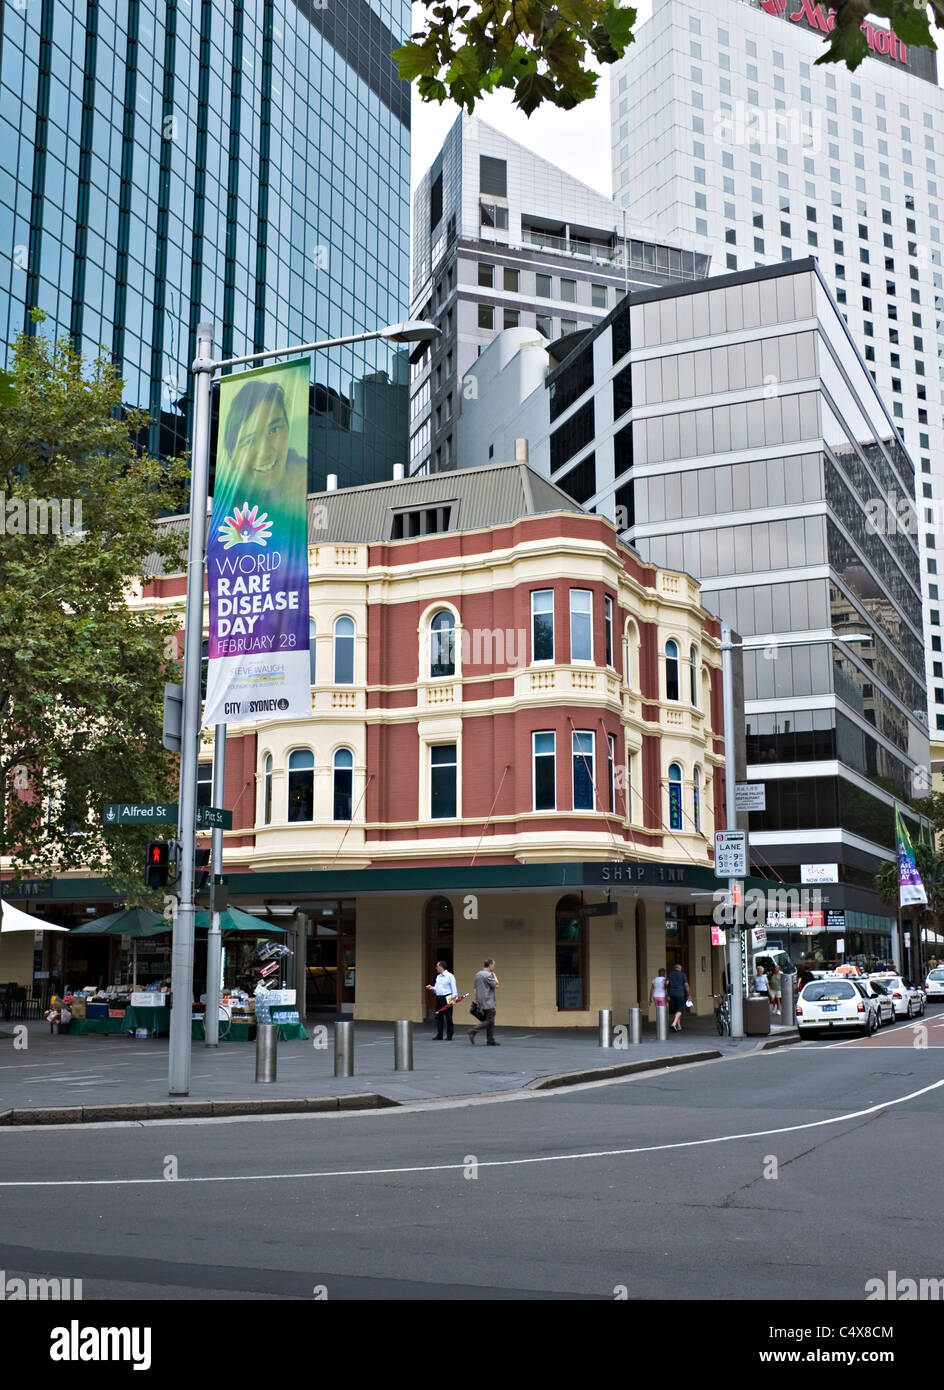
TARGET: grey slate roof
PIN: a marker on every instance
(491, 495)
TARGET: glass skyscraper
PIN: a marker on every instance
(169, 161)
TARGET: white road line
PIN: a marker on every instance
(884, 1033)
(486, 1163)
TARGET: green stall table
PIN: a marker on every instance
(81, 1026)
(156, 1020)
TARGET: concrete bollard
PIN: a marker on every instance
(606, 1027)
(344, 1049)
(267, 1046)
(635, 1026)
(662, 1021)
(403, 1045)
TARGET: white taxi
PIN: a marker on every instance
(909, 1002)
(832, 1003)
(934, 984)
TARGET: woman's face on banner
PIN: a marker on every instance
(262, 446)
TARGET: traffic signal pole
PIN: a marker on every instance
(211, 1015)
(178, 1071)
(730, 817)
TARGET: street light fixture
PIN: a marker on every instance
(730, 781)
(205, 368)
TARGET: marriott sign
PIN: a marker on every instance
(883, 43)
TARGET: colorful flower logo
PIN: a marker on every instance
(245, 527)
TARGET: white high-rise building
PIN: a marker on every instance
(727, 138)
(504, 239)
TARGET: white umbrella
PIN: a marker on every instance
(15, 920)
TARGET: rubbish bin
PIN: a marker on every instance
(756, 1015)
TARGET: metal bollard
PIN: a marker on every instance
(267, 1044)
(635, 1026)
(606, 1027)
(662, 1021)
(344, 1049)
(403, 1045)
(788, 1001)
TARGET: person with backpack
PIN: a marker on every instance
(679, 993)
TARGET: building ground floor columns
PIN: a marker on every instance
(569, 938)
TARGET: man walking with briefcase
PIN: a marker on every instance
(484, 987)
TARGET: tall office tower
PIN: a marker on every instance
(505, 239)
(246, 163)
(726, 135)
(737, 427)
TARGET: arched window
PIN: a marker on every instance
(343, 785)
(671, 671)
(675, 797)
(267, 790)
(301, 785)
(630, 658)
(312, 649)
(696, 798)
(570, 951)
(344, 651)
(442, 645)
(693, 673)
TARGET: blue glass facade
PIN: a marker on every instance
(168, 161)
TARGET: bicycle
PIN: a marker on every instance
(723, 1013)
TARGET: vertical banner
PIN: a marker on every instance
(257, 551)
(910, 882)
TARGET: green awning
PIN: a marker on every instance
(235, 920)
(131, 921)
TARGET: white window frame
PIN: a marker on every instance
(535, 735)
(576, 613)
(543, 660)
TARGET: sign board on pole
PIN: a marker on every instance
(598, 910)
(214, 818)
(719, 936)
(730, 854)
(758, 937)
(819, 873)
(840, 945)
(173, 716)
(750, 796)
(131, 813)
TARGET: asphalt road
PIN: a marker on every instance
(665, 1186)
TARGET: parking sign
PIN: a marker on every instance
(730, 854)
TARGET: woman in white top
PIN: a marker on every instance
(657, 990)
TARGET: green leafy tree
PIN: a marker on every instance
(546, 52)
(82, 666)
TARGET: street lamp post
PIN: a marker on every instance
(730, 787)
(205, 369)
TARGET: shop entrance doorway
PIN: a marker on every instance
(331, 956)
(676, 939)
(439, 946)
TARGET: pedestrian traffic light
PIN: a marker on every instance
(156, 863)
(201, 872)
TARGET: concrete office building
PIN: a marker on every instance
(725, 135)
(502, 239)
(244, 163)
(738, 428)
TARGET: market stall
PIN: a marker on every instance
(124, 1007)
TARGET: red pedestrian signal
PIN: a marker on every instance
(157, 864)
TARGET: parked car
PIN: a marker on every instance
(873, 989)
(833, 1003)
(909, 1002)
(934, 984)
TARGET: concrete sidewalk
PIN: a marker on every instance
(63, 1079)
